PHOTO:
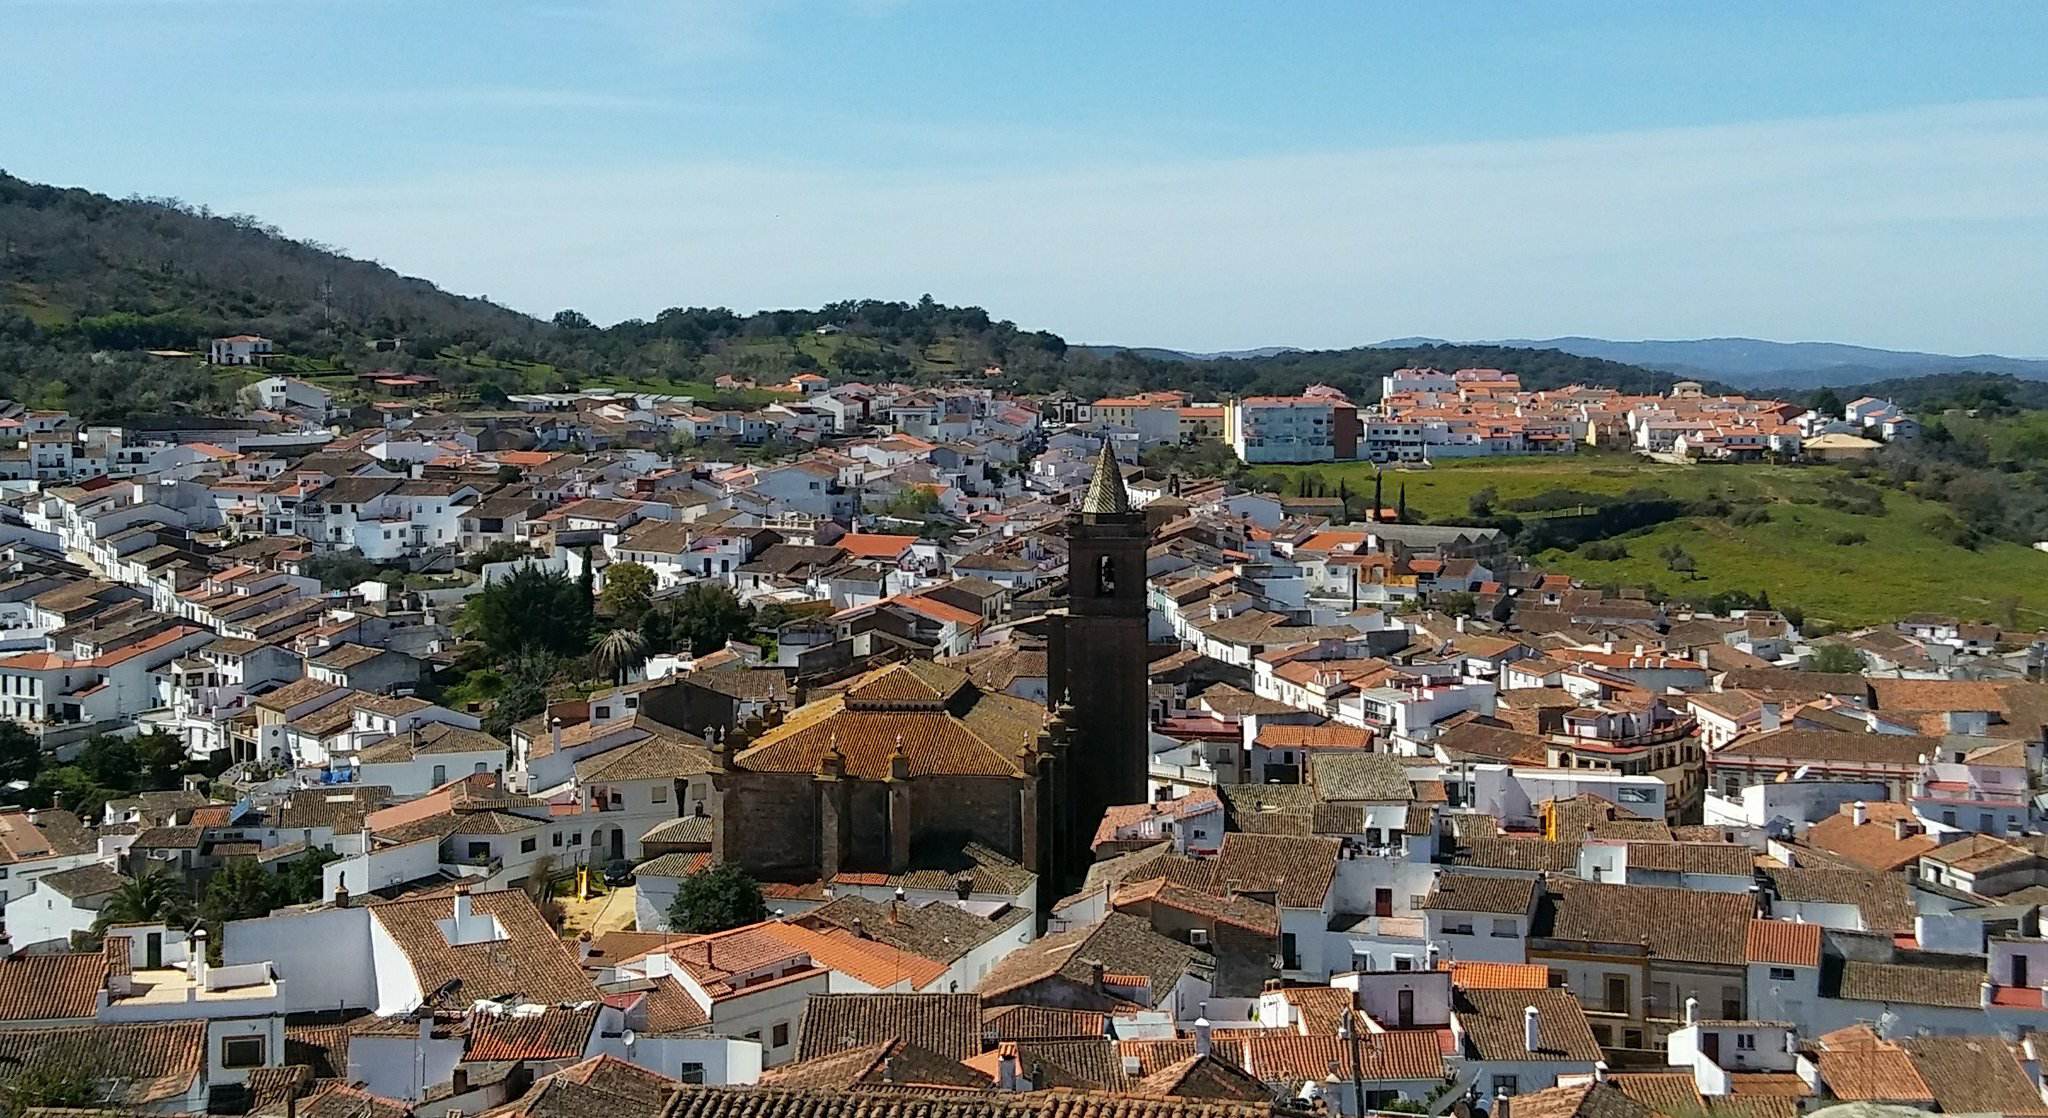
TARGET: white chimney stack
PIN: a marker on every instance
(1901, 829)
(195, 962)
(1202, 1036)
(1006, 1071)
(1532, 1028)
(1692, 1011)
(1984, 994)
(1860, 813)
(462, 906)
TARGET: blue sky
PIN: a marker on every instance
(1187, 174)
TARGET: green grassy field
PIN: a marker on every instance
(1898, 567)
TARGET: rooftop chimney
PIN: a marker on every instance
(1202, 1036)
(195, 964)
(1984, 994)
(1901, 829)
(1532, 1028)
(1769, 717)
(1859, 813)
(1006, 1071)
(341, 890)
(1692, 1011)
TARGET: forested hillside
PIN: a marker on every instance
(89, 283)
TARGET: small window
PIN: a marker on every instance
(1782, 974)
(479, 849)
(241, 1051)
(575, 838)
(660, 794)
(601, 713)
(782, 1035)
(1503, 1085)
(754, 1036)
(558, 839)
(690, 1073)
(1745, 1041)
(1504, 928)
(527, 846)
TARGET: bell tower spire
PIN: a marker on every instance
(1106, 493)
(1102, 637)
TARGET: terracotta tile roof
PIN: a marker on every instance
(888, 1064)
(1505, 853)
(659, 757)
(1321, 1008)
(91, 880)
(871, 545)
(54, 833)
(1878, 1074)
(943, 724)
(1884, 899)
(1682, 925)
(1837, 747)
(1500, 976)
(51, 987)
(632, 1084)
(1372, 777)
(1974, 1074)
(1874, 845)
(1016, 1022)
(1296, 870)
(1471, 892)
(671, 1009)
(878, 964)
(785, 1102)
(1240, 912)
(938, 930)
(1581, 1100)
(530, 960)
(1666, 1092)
(1724, 858)
(338, 1100)
(1203, 1077)
(1908, 984)
(1783, 942)
(1122, 943)
(323, 1048)
(1493, 1025)
(949, 1025)
(143, 1064)
(555, 1033)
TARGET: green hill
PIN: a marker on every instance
(1845, 550)
(89, 282)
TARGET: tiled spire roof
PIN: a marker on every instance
(1106, 493)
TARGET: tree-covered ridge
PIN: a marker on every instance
(89, 282)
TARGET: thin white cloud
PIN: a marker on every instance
(538, 99)
(1926, 228)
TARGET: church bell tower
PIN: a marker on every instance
(1101, 671)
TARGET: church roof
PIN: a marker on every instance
(1106, 493)
(943, 724)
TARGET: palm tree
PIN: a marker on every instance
(619, 652)
(156, 897)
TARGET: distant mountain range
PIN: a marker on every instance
(1752, 361)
